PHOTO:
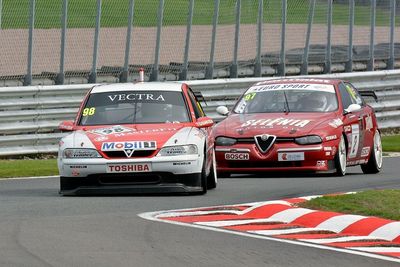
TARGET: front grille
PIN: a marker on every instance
(129, 178)
(136, 154)
(264, 164)
(252, 141)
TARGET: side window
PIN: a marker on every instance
(355, 96)
(345, 96)
(198, 110)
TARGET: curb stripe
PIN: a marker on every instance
(389, 231)
(338, 223)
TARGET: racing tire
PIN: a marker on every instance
(341, 158)
(374, 164)
(212, 178)
(203, 177)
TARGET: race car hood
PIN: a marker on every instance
(144, 132)
(279, 124)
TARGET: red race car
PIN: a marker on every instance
(318, 125)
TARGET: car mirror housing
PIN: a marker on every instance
(222, 110)
(66, 126)
(204, 122)
(352, 108)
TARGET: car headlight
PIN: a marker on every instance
(178, 150)
(308, 140)
(225, 141)
(75, 153)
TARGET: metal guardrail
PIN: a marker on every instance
(29, 116)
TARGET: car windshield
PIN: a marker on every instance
(275, 98)
(129, 107)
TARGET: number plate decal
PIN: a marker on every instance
(295, 156)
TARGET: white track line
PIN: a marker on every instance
(339, 239)
(284, 231)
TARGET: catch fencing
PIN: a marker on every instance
(30, 115)
(44, 42)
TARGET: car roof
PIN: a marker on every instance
(141, 86)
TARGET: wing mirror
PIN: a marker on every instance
(352, 108)
(204, 122)
(222, 110)
(66, 126)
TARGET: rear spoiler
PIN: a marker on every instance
(369, 94)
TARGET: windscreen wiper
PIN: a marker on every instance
(286, 103)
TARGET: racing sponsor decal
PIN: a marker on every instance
(365, 151)
(336, 123)
(276, 122)
(330, 137)
(321, 163)
(101, 138)
(327, 148)
(78, 167)
(237, 156)
(136, 96)
(291, 86)
(347, 129)
(129, 146)
(327, 153)
(112, 130)
(294, 156)
(357, 162)
(368, 122)
(181, 163)
(354, 140)
(131, 167)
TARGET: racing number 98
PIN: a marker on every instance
(88, 112)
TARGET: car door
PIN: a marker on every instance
(354, 122)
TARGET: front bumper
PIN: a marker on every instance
(94, 185)
(249, 159)
(173, 164)
(179, 174)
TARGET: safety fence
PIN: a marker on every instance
(30, 115)
(92, 41)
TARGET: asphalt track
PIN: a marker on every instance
(40, 228)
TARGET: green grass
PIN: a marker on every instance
(25, 168)
(380, 203)
(391, 143)
(82, 13)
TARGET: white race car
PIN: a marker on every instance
(138, 138)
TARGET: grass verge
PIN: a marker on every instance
(379, 203)
(391, 143)
(26, 168)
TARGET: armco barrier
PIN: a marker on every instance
(29, 116)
